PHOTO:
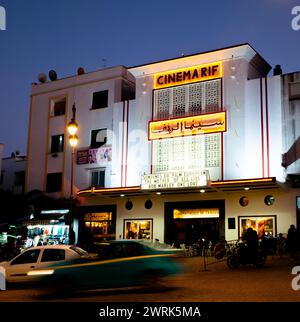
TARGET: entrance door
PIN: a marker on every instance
(190, 231)
(188, 221)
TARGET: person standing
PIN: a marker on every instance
(281, 244)
(291, 241)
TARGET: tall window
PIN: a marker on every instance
(54, 182)
(19, 178)
(98, 138)
(57, 143)
(98, 178)
(59, 107)
(189, 153)
(100, 99)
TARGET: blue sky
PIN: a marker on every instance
(62, 35)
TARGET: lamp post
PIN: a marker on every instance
(73, 140)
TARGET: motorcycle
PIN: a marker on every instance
(244, 255)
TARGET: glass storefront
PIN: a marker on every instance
(98, 225)
(47, 234)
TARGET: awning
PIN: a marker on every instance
(45, 219)
(212, 187)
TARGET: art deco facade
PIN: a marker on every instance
(202, 145)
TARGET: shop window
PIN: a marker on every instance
(57, 143)
(47, 234)
(98, 179)
(30, 256)
(59, 107)
(138, 229)
(54, 182)
(53, 255)
(99, 226)
(98, 138)
(100, 99)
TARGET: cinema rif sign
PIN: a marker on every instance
(192, 125)
(188, 75)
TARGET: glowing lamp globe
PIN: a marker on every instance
(72, 127)
(73, 139)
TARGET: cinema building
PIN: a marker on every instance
(200, 145)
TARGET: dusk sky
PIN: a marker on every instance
(63, 35)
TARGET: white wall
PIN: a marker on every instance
(10, 166)
(78, 90)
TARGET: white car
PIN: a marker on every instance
(38, 258)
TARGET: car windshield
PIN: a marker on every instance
(79, 251)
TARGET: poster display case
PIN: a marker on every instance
(138, 229)
(263, 225)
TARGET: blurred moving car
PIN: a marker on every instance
(117, 264)
(37, 258)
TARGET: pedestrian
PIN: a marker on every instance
(281, 244)
(251, 240)
(72, 236)
(291, 241)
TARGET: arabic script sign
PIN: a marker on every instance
(188, 75)
(193, 125)
(171, 180)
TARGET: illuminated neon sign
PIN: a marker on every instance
(196, 213)
(192, 125)
(188, 75)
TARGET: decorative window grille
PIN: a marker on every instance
(178, 155)
(195, 99)
(179, 101)
(213, 150)
(195, 152)
(162, 104)
(212, 96)
(161, 156)
(185, 100)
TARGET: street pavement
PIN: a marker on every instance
(201, 282)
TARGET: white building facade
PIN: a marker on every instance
(13, 174)
(175, 150)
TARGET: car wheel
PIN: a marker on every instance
(233, 262)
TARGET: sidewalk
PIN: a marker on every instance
(218, 283)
